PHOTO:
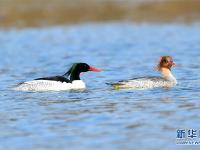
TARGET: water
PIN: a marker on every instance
(99, 117)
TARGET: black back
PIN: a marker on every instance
(55, 78)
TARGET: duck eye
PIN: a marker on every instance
(165, 61)
(85, 66)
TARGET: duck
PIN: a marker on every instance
(166, 80)
(69, 81)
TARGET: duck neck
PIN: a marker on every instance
(167, 74)
(75, 75)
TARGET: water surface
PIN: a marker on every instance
(99, 117)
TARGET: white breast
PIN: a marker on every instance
(48, 85)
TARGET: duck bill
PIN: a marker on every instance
(173, 64)
(94, 69)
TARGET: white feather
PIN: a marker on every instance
(47, 85)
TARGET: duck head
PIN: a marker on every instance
(165, 62)
(77, 68)
(164, 66)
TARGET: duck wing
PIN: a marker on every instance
(140, 79)
(149, 78)
(55, 78)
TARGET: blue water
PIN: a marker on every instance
(99, 117)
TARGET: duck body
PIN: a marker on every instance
(58, 83)
(50, 85)
(145, 83)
